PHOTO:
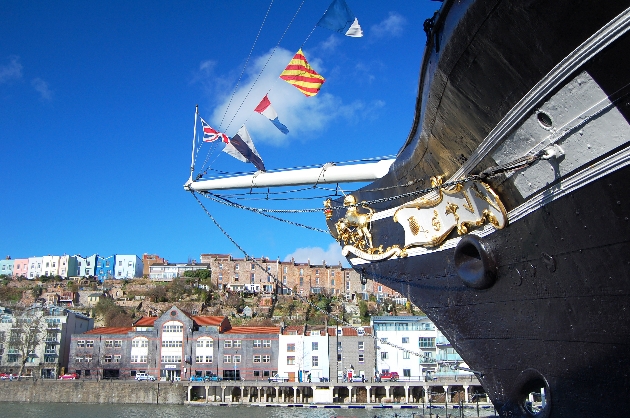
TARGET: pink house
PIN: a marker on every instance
(20, 267)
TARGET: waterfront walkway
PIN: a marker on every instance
(443, 391)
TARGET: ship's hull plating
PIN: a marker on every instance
(558, 314)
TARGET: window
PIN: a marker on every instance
(291, 348)
(266, 358)
(256, 343)
(339, 358)
(257, 358)
(220, 266)
(80, 343)
(237, 343)
(301, 281)
(285, 269)
(338, 345)
(117, 343)
(108, 359)
(384, 355)
(171, 359)
(220, 277)
(88, 358)
(252, 278)
(316, 280)
(256, 373)
(284, 279)
(173, 328)
(109, 343)
(266, 343)
(236, 267)
(361, 345)
(332, 282)
(171, 343)
(203, 359)
(290, 360)
(119, 263)
(315, 361)
(237, 358)
(89, 343)
(380, 288)
(140, 342)
(227, 344)
(236, 277)
(117, 358)
(227, 358)
(426, 342)
(314, 346)
(361, 358)
(405, 340)
(407, 372)
(406, 355)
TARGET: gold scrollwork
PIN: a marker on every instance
(435, 221)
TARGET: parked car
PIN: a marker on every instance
(196, 378)
(68, 376)
(5, 376)
(213, 378)
(277, 378)
(145, 376)
(389, 377)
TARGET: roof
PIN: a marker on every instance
(348, 331)
(109, 330)
(293, 330)
(145, 321)
(208, 320)
(253, 330)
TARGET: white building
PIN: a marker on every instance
(166, 272)
(315, 352)
(303, 351)
(415, 335)
(291, 352)
(127, 267)
(34, 267)
(50, 356)
(50, 265)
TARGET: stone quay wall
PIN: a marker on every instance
(97, 392)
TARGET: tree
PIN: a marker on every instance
(26, 335)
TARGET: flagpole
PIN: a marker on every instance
(192, 162)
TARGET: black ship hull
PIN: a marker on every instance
(552, 309)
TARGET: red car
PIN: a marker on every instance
(389, 377)
(4, 376)
(68, 376)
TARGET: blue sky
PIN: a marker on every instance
(97, 105)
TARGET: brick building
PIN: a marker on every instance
(257, 276)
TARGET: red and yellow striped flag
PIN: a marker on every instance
(302, 76)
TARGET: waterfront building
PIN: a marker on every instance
(6, 267)
(43, 335)
(426, 352)
(304, 351)
(355, 352)
(20, 267)
(176, 346)
(34, 267)
(166, 272)
(127, 266)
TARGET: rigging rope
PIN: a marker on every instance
(303, 299)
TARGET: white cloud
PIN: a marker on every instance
(392, 26)
(11, 71)
(42, 88)
(305, 117)
(330, 44)
(316, 255)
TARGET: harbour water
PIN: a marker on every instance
(59, 410)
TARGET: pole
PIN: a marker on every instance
(192, 162)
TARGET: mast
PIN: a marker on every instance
(192, 160)
(329, 173)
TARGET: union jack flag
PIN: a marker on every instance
(210, 134)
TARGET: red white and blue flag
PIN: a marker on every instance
(210, 134)
(265, 109)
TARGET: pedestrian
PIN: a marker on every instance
(309, 378)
